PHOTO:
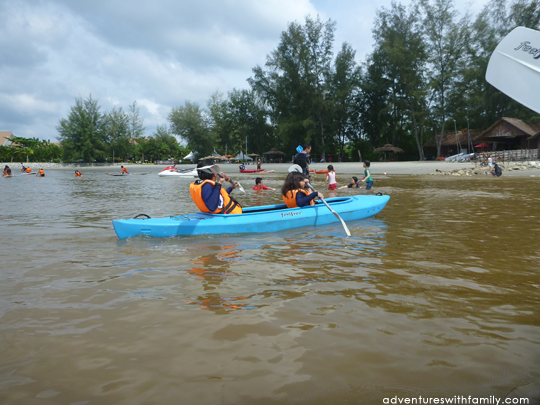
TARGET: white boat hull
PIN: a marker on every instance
(173, 173)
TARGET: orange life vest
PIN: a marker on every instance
(290, 198)
(41, 172)
(124, 170)
(78, 175)
(28, 170)
(228, 206)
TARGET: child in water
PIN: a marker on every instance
(367, 175)
(353, 184)
(331, 178)
(260, 186)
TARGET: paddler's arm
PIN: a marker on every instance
(302, 200)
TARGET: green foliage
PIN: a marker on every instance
(83, 133)
(297, 82)
(89, 135)
(192, 124)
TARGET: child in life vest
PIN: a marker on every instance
(209, 196)
(294, 191)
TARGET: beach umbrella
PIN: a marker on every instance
(273, 151)
(388, 148)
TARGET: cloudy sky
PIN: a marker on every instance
(158, 53)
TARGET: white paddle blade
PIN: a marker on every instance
(240, 187)
(514, 66)
(295, 168)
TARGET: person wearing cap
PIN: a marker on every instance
(208, 194)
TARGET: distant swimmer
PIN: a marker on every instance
(78, 174)
(7, 171)
(260, 186)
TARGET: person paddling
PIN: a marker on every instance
(209, 196)
(41, 173)
(78, 174)
(124, 170)
(294, 191)
(28, 169)
(7, 171)
(260, 186)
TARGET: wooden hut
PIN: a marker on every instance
(512, 133)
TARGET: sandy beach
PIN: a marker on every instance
(353, 168)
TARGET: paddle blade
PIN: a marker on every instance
(240, 187)
(514, 66)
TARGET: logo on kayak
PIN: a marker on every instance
(526, 47)
(290, 214)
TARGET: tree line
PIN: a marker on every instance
(425, 76)
(89, 135)
(30, 149)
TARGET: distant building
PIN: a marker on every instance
(5, 138)
(512, 133)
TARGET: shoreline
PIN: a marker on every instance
(410, 168)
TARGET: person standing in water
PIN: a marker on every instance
(367, 175)
(302, 158)
(331, 178)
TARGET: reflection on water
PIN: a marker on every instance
(436, 296)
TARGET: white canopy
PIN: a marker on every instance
(241, 156)
(190, 156)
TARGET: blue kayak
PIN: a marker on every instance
(267, 218)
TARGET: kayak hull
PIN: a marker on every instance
(252, 170)
(269, 218)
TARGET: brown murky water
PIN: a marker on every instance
(437, 296)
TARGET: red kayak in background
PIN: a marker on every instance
(251, 170)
